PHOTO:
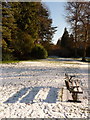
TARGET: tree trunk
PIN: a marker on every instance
(76, 34)
(76, 55)
(84, 54)
(85, 47)
(83, 59)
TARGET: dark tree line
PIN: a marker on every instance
(66, 46)
(24, 25)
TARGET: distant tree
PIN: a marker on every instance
(59, 42)
(71, 42)
(66, 44)
(65, 38)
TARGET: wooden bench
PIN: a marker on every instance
(73, 86)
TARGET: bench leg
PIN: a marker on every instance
(74, 96)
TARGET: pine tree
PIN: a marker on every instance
(65, 38)
(71, 42)
(58, 43)
(24, 25)
(8, 30)
(33, 19)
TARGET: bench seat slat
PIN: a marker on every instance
(77, 92)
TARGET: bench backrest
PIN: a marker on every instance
(66, 76)
(72, 88)
(72, 85)
(67, 84)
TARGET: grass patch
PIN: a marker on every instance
(17, 61)
(3, 62)
(49, 60)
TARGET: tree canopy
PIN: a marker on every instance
(24, 25)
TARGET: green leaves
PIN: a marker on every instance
(24, 25)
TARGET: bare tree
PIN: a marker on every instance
(84, 21)
(73, 13)
(78, 16)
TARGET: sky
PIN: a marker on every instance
(57, 13)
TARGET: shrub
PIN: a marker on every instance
(39, 52)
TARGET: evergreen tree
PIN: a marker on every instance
(71, 42)
(59, 42)
(24, 25)
(8, 30)
(33, 19)
(45, 25)
(65, 38)
(27, 34)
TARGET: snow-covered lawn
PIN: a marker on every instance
(31, 89)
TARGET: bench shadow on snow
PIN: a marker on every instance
(27, 95)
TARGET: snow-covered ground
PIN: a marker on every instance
(30, 89)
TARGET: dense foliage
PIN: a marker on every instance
(24, 25)
(27, 31)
